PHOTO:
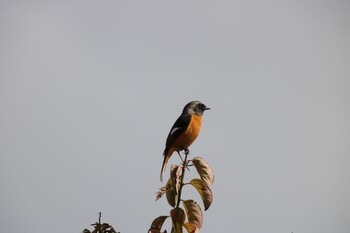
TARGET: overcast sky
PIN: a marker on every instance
(90, 89)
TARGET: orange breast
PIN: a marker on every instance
(188, 137)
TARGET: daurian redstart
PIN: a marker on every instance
(184, 131)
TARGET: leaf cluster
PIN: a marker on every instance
(192, 211)
(101, 227)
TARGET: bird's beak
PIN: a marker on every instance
(206, 108)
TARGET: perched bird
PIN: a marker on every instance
(184, 131)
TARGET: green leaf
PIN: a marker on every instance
(204, 191)
(178, 218)
(194, 216)
(203, 169)
(157, 224)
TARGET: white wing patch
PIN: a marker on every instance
(174, 130)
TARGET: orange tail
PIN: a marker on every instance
(167, 153)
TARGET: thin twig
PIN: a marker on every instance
(184, 165)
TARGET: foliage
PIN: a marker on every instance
(173, 190)
(100, 227)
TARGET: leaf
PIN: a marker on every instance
(171, 193)
(97, 227)
(160, 193)
(194, 214)
(175, 173)
(178, 218)
(173, 185)
(157, 224)
(191, 227)
(204, 191)
(105, 226)
(203, 169)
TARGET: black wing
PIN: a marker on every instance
(178, 128)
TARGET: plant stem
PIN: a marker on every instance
(184, 164)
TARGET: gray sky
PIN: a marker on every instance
(90, 89)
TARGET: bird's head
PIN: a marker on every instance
(195, 107)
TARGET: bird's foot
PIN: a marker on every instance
(186, 151)
(180, 156)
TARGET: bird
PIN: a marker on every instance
(184, 131)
